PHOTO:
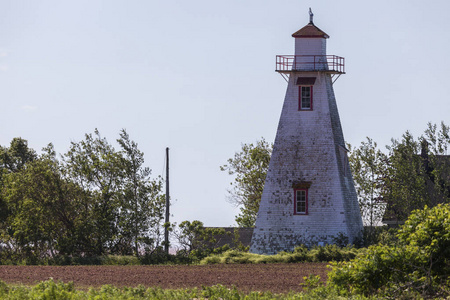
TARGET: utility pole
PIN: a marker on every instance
(166, 228)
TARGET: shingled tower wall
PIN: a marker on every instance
(309, 196)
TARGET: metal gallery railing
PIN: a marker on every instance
(289, 63)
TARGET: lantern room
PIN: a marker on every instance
(310, 54)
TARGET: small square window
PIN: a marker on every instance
(301, 201)
(305, 98)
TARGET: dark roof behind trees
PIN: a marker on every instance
(435, 170)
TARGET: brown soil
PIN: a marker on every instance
(277, 278)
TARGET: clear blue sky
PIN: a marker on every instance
(198, 77)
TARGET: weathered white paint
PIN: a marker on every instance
(309, 147)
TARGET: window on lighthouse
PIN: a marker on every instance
(305, 101)
(301, 201)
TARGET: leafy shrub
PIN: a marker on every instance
(417, 267)
(429, 229)
(379, 235)
(3, 289)
(121, 260)
(51, 290)
(65, 260)
(198, 241)
(312, 282)
(378, 268)
(58, 290)
(198, 254)
(161, 257)
(331, 253)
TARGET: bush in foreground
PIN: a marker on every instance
(417, 267)
(57, 290)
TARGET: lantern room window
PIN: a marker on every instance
(305, 97)
(301, 201)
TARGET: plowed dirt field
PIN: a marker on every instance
(277, 278)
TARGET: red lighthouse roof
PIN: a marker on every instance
(310, 31)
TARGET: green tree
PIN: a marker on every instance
(435, 145)
(43, 209)
(96, 166)
(249, 166)
(95, 201)
(13, 159)
(412, 174)
(405, 181)
(143, 204)
(368, 165)
(418, 172)
(16, 156)
(438, 139)
(126, 205)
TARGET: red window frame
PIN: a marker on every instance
(301, 96)
(296, 202)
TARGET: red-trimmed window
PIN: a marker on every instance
(300, 201)
(305, 101)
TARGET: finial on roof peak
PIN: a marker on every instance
(311, 15)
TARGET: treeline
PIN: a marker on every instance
(93, 200)
(410, 174)
(390, 182)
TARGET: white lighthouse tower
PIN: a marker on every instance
(309, 196)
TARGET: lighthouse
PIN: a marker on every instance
(309, 197)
